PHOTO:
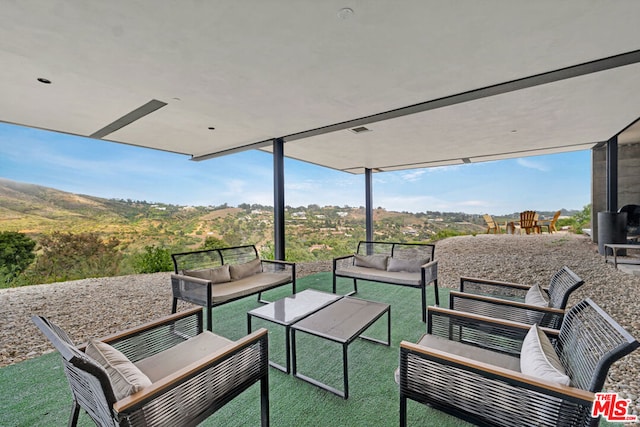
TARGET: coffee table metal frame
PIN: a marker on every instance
(263, 313)
(361, 326)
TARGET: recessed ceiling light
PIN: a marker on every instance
(345, 13)
(360, 129)
(43, 80)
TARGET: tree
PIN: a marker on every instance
(68, 256)
(16, 254)
(214, 243)
(153, 260)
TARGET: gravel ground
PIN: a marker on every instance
(96, 307)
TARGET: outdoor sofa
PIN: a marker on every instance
(212, 277)
(403, 264)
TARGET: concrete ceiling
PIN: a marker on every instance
(434, 83)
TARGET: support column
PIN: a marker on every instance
(612, 174)
(278, 199)
(612, 225)
(368, 204)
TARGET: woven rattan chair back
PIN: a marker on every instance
(90, 385)
(562, 284)
(589, 342)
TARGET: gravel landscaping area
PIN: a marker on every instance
(95, 307)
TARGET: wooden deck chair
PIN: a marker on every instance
(492, 226)
(528, 222)
(550, 224)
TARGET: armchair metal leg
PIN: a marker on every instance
(210, 318)
(423, 290)
(264, 401)
(403, 411)
(75, 412)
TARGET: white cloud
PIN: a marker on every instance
(527, 163)
(413, 176)
(473, 203)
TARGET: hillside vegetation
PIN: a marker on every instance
(138, 228)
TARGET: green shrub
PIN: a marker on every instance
(153, 260)
(68, 256)
(578, 221)
(214, 243)
(16, 254)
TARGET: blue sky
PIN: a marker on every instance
(111, 170)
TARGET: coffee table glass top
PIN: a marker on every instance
(343, 320)
(288, 310)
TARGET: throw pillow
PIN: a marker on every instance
(240, 271)
(408, 265)
(538, 358)
(125, 377)
(536, 296)
(377, 261)
(214, 275)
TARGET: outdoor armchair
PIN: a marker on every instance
(520, 303)
(167, 372)
(496, 372)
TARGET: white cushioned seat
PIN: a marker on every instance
(221, 292)
(175, 358)
(475, 353)
(394, 277)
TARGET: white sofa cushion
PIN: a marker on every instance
(408, 265)
(240, 271)
(538, 358)
(214, 275)
(376, 261)
(125, 377)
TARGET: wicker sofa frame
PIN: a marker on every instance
(505, 300)
(203, 292)
(345, 267)
(184, 398)
(487, 394)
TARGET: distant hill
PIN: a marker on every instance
(38, 210)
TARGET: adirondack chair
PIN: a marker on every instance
(550, 223)
(492, 226)
(528, 222)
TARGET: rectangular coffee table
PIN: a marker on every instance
(342, 322)
(287, 311)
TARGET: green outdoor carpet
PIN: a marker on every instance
(36, 393)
